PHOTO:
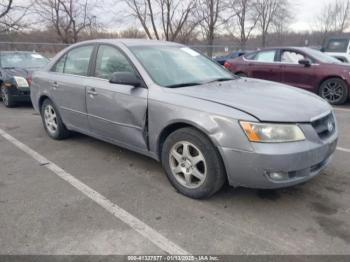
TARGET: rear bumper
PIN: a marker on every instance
(300, 161)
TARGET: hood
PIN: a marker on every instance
(10, 72)
(266, 101)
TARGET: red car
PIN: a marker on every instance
(301, 67)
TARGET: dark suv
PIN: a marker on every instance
(15, 75)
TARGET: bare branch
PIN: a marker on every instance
(166, 18)
(69, 18)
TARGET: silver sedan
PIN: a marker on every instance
(206, 126)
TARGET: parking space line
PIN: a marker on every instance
(136, 224)
(343, 149)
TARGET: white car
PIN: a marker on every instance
(338, 48)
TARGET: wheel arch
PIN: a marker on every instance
(174, 126)
(329, 77)
(41, 101)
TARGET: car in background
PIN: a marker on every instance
(222, 59)
(301, 67)
(16, 68)
(338, 47)
(169, 102)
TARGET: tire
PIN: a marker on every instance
(7, 98)
(240, 74)
(209, 164)
(52, 121)
(334, 90)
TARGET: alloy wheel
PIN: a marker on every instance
(50, 118)
(188, 164)
(5, 96)
(333, 91)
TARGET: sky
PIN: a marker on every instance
(303, 20)
(305, 11)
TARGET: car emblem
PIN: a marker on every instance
(330, 126)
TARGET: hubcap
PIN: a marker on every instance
(4, 95)
(333, 91)
(188, 165)
(50, 119)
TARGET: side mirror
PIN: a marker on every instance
(125, 78)
(305, 62)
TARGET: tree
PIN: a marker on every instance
(245, 18)
(5, 7)
(268, 12)
(280, 25)
(162, 18)
(333, 18)
(11, 15)
(208, 18)
(69, 18)
(342, 15)
(132, 33)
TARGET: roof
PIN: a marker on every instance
(303, 48)
(132, 42)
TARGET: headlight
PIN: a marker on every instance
(21, 81)
(272, 133)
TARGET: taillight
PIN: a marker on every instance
(29, 80)
(227, 65)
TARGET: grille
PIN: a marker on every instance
(324, 126)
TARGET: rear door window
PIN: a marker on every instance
(78, 60)
(266, 56)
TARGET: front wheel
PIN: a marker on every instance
(193, 164)
(52, 121)
(334, 90)
(7, 97)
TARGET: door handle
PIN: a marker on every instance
(92, 92)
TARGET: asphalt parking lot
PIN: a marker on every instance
(78, 207)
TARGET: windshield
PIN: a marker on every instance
(23, 60)
(321, 57)
(176, 66)
(337, 45)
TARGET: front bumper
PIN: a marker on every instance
(20, 94)
(301, 160)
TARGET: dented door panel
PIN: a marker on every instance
(117, 112)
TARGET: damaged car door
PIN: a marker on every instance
(116, 112)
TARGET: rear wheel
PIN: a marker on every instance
(334, 90)
(7, 98)
(52, 121)
(192, 164)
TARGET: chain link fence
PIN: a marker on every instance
(215, 50)
(47, 49)
(51, 49)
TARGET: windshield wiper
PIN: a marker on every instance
(223, 79)
(184, 85)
